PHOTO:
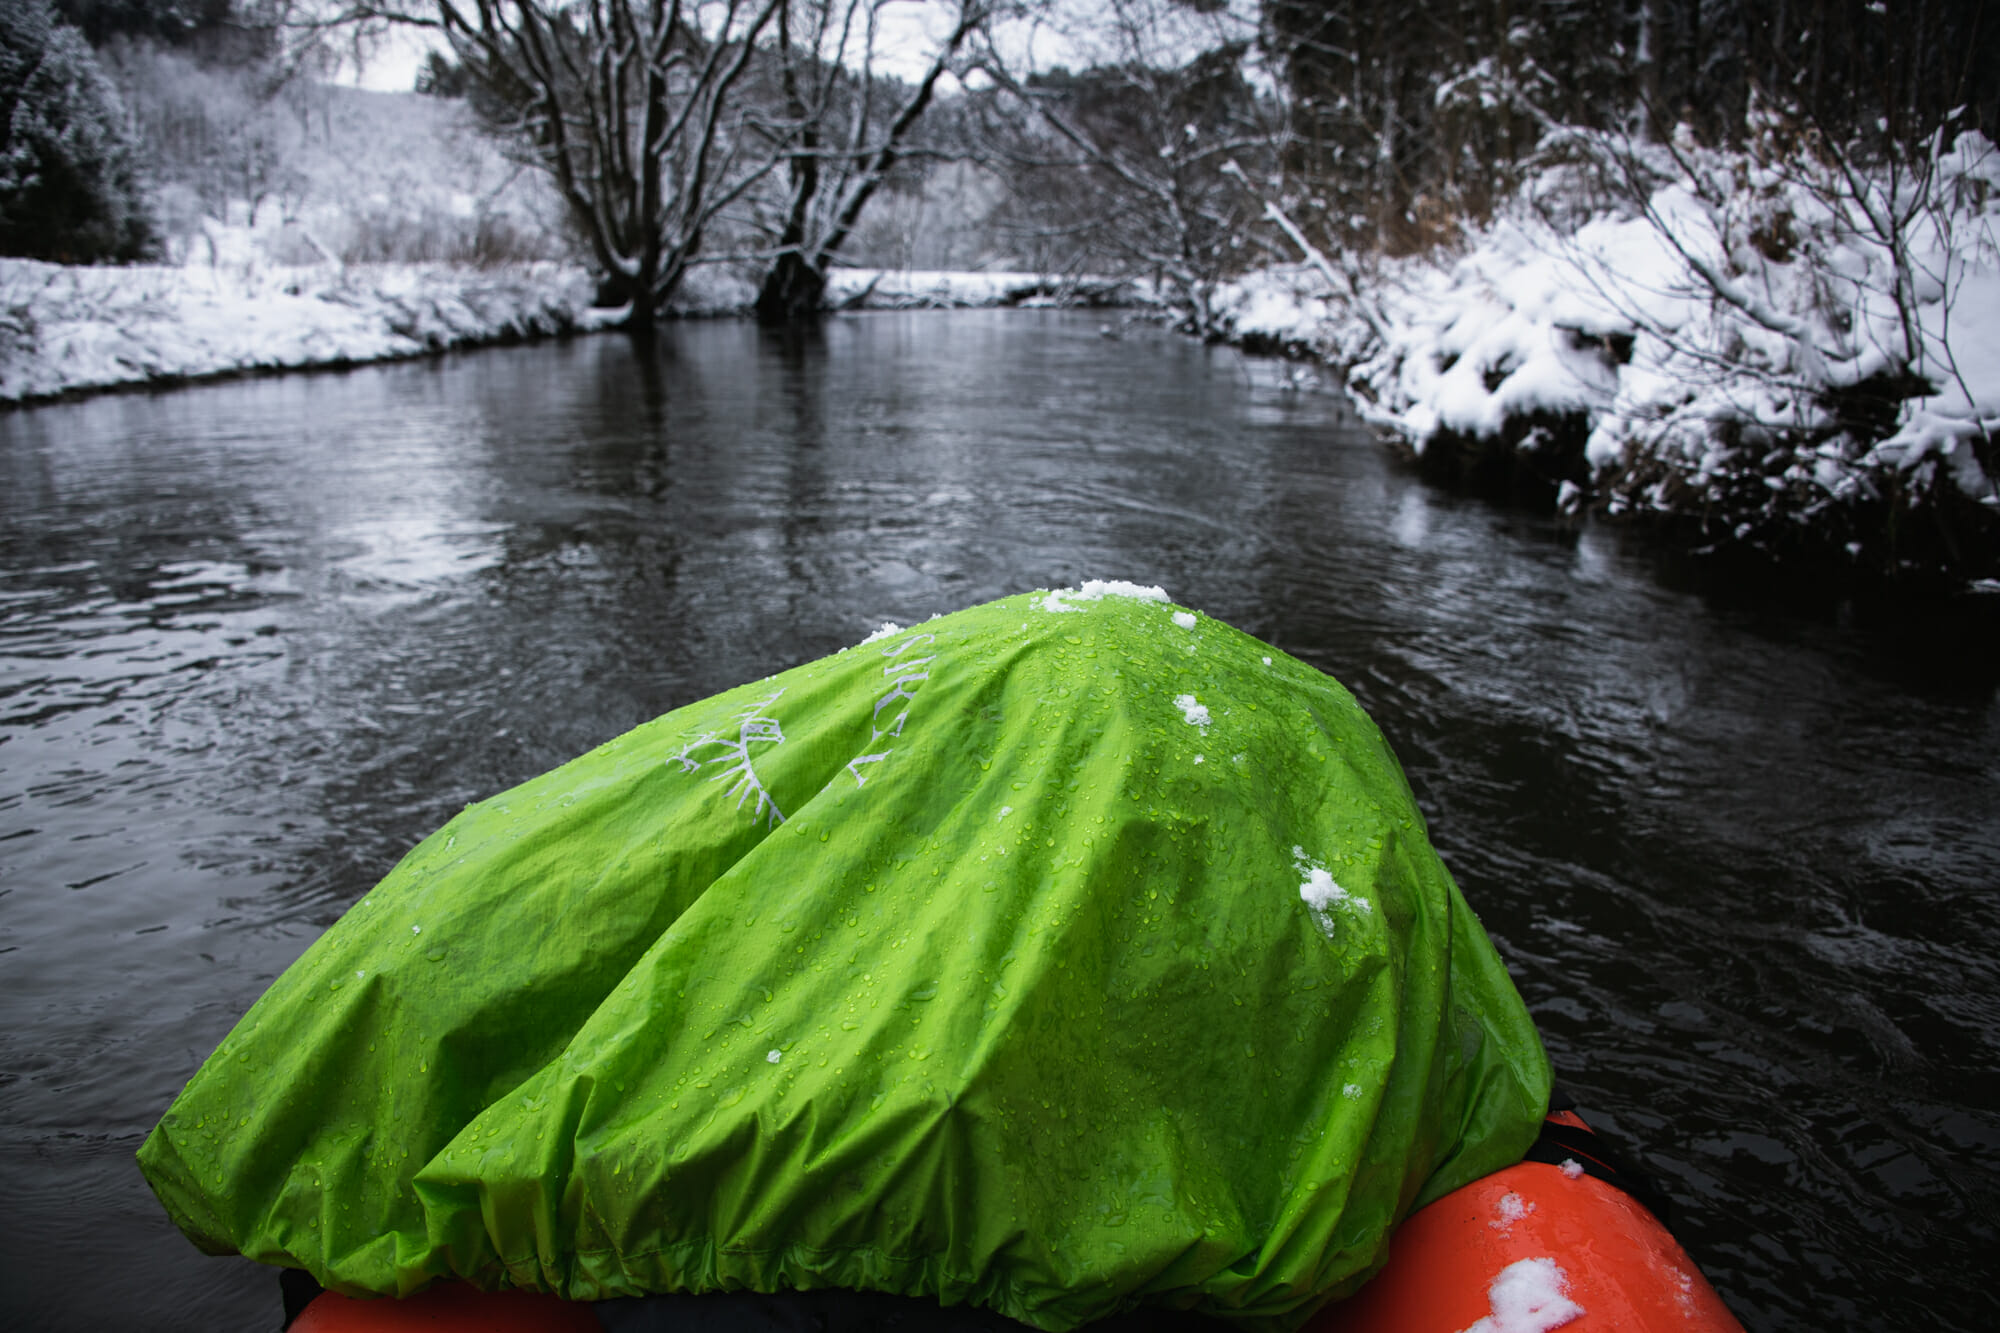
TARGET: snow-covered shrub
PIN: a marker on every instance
(1794, 349)
(322, 173)
(69, 187)
(216, 133)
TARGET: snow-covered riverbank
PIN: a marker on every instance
(66, 330)
(1787, 364)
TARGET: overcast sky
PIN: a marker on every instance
(1078, 33)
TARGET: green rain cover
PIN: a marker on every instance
(1065, 954)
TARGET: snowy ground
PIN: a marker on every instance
(1728, 346)
(728, 290)
(67, 330)
(881, 289)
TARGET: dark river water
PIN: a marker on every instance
(258, 638)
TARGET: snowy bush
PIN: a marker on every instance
(1797, 351)
(323, 173)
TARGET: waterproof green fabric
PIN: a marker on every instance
(1060, 955)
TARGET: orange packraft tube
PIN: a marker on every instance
(1536, 1247)
(448, 1307)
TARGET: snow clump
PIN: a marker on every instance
(882, 631)
(1184, 619)
(1531, 1296)
(1321, 893)
(1096, 590)
(1194, 712)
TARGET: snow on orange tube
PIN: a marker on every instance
(1528, 1249)
(448, 1307)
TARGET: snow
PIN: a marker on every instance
(774, 1056)
(711, 290)
(731, 289)
(1287, 308)
(1184, 619)
(901, 289)
(64, 329)
(1193, 711)
(1096, 590)
(308, 280)
(1530, 1296)
(1681, 338)
(1510, 1209)
(882, 631)
(305, 276)
(1321, 893)
(360, 177)
(1571, 1168)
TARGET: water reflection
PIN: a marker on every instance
(257, 639)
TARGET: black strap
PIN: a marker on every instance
(1559, 1143)
(833, 1311)
(298, 1289)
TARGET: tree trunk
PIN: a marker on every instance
(792, 286)
(1654, 123)
(643, 291)
(793, 291)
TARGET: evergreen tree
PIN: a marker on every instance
(69, 187)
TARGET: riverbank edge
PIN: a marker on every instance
(169, 381)
(69, 333)
(1918, 534)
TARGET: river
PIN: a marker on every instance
(257, 638)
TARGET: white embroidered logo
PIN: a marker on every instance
(753, 728)
(905, 676)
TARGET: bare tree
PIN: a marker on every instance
(627, 105)
(1135, 166)
(838, 138)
